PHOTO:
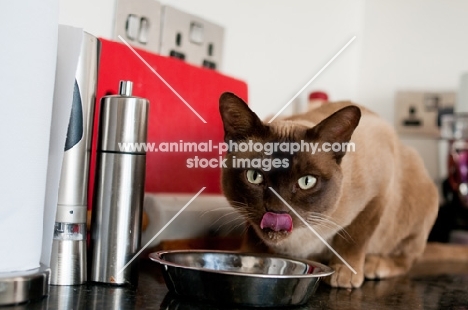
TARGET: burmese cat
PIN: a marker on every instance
(375, 206)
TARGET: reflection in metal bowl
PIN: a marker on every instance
(244, 279)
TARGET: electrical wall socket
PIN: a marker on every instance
(419, 113)
(139, 23)
(191, 38)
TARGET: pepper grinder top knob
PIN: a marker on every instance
(125, 88)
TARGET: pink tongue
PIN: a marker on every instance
(277, 221)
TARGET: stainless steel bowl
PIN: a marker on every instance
(244, 279)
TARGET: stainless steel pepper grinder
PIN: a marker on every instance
(119, 187)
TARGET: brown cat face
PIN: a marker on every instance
(309, 183)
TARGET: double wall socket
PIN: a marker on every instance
(169, 32)
(191, 38)
(419, 113)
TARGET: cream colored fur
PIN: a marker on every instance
(388, 202)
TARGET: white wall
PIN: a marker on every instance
(276, 46)
(95, 16)
(417, 44)
(413, 45)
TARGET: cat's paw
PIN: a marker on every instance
(380, 267)
(344, 277)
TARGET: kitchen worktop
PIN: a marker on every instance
(428, 286)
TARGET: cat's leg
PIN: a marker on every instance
(379, 266)
(412, 221)
(354, 251)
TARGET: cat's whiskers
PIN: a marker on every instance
(237, 218)
(329, 225)
(324, 221)
(234, 227)
(321, 221)
(243, 209)
(342, 234)
(318, 219)
(223, 216)
(215, 209)
(235, 203)
(317, 222)
(318, 227)
(238, 203)
(325, 218)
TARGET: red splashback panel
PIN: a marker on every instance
(170, 120)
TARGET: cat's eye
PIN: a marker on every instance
(254, 177)
(307, 182)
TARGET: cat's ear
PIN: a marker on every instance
(337, 128)
(239, 121)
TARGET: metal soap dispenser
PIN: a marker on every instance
(119, 187)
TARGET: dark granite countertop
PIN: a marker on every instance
(428, 286)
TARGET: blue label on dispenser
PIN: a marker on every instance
(75, 126)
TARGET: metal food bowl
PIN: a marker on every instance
(258, 280)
